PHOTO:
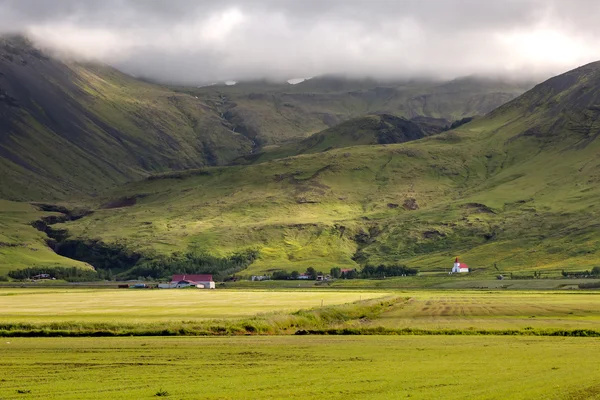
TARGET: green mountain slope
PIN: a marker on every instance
(514, 191)
(68, 129)
(275, 114)
(22, 245)
(367, 130)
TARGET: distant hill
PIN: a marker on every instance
(368, 130)
(515, 192)
(68, 129)
(282, 113)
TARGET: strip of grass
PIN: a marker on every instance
(306, 367)
(368, 317)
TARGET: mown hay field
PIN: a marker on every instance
(148, 306)
(419, 309)
(307, 367)
(494, 310)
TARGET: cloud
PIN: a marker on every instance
(191, 41)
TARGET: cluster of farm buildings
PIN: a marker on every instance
(179, 281)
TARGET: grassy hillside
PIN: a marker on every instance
(512, 192)
(22, 245)
(273, 114)
(367, 130)
(68, 129)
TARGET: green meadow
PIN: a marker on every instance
(373, 367)
(312, 344)
(149, 306)
(109, 312)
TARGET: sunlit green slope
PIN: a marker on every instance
(517, 189)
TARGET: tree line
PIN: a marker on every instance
(368, 272)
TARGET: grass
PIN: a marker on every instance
(494, 311)
(149, 306)
(85, 312)
(419, 367)
(21, 245)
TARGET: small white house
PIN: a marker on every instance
(459, 267)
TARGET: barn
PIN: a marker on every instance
(459, 267)
(200, 281)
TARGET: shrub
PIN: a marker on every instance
(280, 276)
(162, 393)
(381, 271)
(589, 285)
(72, 274)
(193, 263)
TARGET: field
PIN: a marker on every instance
(416, 367)
(420, 344)
(149, 306)
(495, 310)
(81, 312)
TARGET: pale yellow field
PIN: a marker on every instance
(495, 310)
(143, 305)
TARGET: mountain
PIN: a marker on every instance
(68, 129)
(368, 130)
(273, 114)
(513, 192)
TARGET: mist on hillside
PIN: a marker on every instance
(195, 42)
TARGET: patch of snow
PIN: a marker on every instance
(230, 83)
(295, 81)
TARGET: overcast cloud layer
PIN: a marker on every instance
(193, 41)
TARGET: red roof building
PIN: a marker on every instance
(460, 267)
(199, 278)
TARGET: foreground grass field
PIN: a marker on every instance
(421, 367)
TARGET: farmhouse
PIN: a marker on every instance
(459, 267)
(185, 280)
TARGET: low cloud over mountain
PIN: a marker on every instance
(190, 41)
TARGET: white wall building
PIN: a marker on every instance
(459, 267)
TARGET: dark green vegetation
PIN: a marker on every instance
(309, 367)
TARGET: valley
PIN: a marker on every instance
(313, 200)
(511, 192)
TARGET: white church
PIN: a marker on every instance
(459, 267)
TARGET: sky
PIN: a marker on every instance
(203, 41)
